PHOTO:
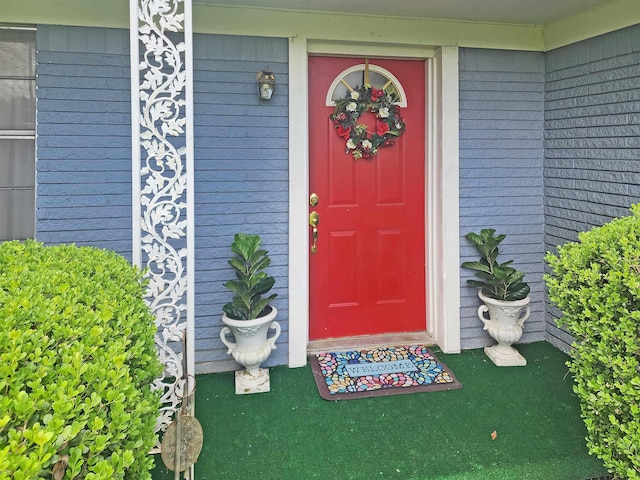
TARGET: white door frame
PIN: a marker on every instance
(441, 184)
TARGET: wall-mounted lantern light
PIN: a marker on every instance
(266, 84)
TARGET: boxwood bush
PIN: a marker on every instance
(77, 358)
(596, 284)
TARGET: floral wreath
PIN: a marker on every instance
(389, 125)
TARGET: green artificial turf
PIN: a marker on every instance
(290, 433)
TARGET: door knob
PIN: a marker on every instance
(314, 220)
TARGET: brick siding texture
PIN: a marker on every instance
(501, 161)
(592, 140)
(241, 159)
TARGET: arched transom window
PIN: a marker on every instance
(363, 74)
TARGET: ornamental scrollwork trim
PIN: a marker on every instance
(163, 177)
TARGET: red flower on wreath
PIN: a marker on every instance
(376, 94)
(381, 128)
(344, 132)
(361, 143)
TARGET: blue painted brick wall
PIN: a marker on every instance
(241, 184)
(84, 137)
(241, 159)
(592, 139)
(501, 161)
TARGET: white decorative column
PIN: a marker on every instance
(162, 179)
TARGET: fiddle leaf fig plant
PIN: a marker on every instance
(251, 281)
(499, 281)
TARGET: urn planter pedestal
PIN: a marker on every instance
(504, 324)
(250, 349)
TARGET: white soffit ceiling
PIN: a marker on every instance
(528, 12)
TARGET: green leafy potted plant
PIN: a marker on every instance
(505, 295)
(249, 315)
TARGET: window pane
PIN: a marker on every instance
(17, 112)
(377, 80)
(17, 163)
(354, 79)
(17, 104)
(16, 214)
(18, 53)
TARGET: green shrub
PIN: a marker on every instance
(77, 358)
(596, 284)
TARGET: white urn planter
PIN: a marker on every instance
(504, 324)
(250, 349)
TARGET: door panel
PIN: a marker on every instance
(368, 275)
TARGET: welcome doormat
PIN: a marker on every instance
(380, 371)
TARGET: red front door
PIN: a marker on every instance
(368, 273)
